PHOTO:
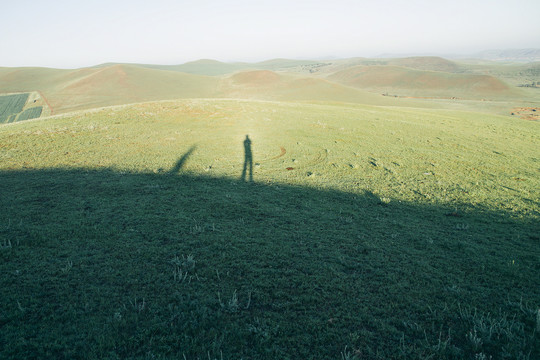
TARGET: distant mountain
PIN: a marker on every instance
(283, 64)
(430, 63)
(515, 55)
(202, 67)
(216, 68)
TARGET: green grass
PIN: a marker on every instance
(11, 104)
(30, 113)
(485, 88)
(397, 233)
(11, 108)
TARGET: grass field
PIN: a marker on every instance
(368, 232)
(30, 113)
(11, 105)
(436, 82)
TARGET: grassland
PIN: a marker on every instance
(30, 113)
(369, 232)
(12, 105)
(423, 81)
(406, 81)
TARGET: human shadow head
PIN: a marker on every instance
(181, 162)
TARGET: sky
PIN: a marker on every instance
(74, 34)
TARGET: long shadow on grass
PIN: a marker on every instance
(182, 161)
(102, 264)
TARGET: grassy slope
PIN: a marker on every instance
(515, 74)
(204, 67)
(215, 68)
(68, 90)
(269, 85)
(412, 82)
(428, 63)
(409, 233)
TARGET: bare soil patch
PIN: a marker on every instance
(527, 113)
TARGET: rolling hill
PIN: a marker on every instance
(68, 90)
(354, 80)
(385, 232)
(269, 85)
(203, 67)
(429, 63)
(413, 82)
(215, 68)
(270, 213)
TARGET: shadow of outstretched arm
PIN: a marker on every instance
(180, 163)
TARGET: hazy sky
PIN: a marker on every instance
(73, 33)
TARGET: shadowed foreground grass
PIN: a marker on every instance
(108, 264)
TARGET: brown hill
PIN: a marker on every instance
(431, 63)
(67, 90)
(406, 81)
(258, 78)
(268, 85)
(112, 85)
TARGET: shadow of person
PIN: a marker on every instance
(248, 160)
(180, 163)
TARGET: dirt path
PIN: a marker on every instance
(283, 152)
(46, 101)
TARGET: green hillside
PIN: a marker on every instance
(68, 90)
(269, 85)
(283, 64)
(367, 232)
(203, 67)
(412, 82)
(214, 68)
(431, 81)
(429, 63)
(19, 107)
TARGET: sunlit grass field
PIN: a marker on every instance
(367, 233)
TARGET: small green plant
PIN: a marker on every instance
(196, 229)
(5, 244)
(482, 356)
(233, 305)
(137, 305)
(182, 266)
(348, 355)
(474, 340)
(179, 275)
(493, 334)
(67, 267)
(186, 262)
